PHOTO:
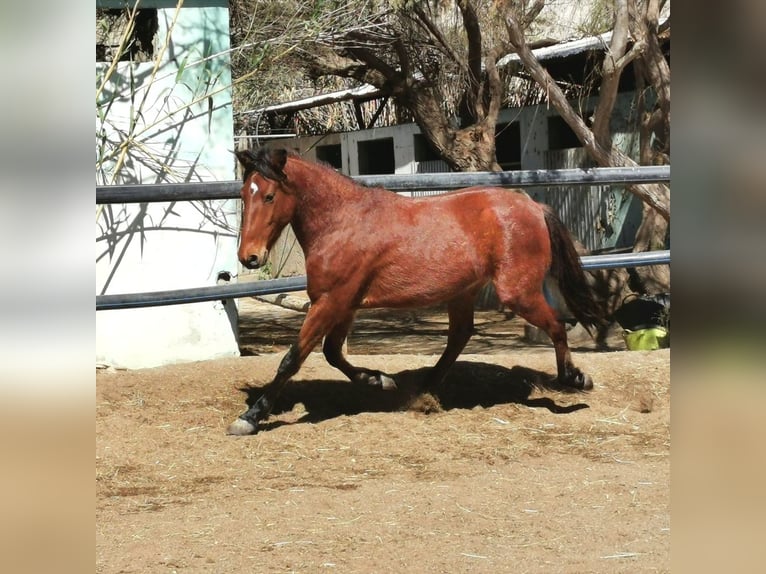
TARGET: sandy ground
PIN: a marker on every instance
(497, 471)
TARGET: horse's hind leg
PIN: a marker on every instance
(460, 330)
(533, 307)
(333, 352)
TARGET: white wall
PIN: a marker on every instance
(158, 246)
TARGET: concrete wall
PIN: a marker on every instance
(183, 132)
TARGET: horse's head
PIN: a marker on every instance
(267, 206)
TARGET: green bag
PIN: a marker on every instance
(646, 339)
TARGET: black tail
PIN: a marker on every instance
(568, 273)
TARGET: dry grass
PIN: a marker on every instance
(494, 468)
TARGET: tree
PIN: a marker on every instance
(639, 19)
(439, 60)
(598, 140)
(435, 59)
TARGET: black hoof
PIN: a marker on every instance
(375, 379)
(242, 427)
(247, 423)
(580, 381)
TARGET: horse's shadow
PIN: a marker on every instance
(468, 385)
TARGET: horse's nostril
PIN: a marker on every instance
(252, 261)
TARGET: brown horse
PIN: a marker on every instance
(368, 247)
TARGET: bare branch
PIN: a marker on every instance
(533, 12)
(434, 31)
(610, 75)
(653, 195)
(495, 86)
(473, 35)
(327, 62)
(404, 59)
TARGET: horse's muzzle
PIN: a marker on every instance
(253, 262)
(252, 256)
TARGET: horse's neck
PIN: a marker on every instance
(325, 201)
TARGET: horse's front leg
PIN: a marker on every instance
(333, 352)
(319, 321)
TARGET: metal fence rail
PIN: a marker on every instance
(199, 294)
(147, 193)
(414, 182)
(298, 283)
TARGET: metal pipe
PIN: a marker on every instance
(147, 193)
(520, 178)
(199, 294)
(626, 260)
(298, 283)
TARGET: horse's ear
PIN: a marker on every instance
(273, 165)
(247, 159)
(267, 162)
(277, 158)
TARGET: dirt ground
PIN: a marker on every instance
(497, 471)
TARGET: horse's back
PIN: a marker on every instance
(482, 210)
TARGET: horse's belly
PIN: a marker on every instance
(422, 289)
(442, 254)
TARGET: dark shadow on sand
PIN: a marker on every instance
(468, 385)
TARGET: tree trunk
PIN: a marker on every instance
(612, 285)
(656, 196)
(473, 149)
(651, 236)
(653, 68)
(470, 147)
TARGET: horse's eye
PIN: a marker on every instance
(268, 198)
